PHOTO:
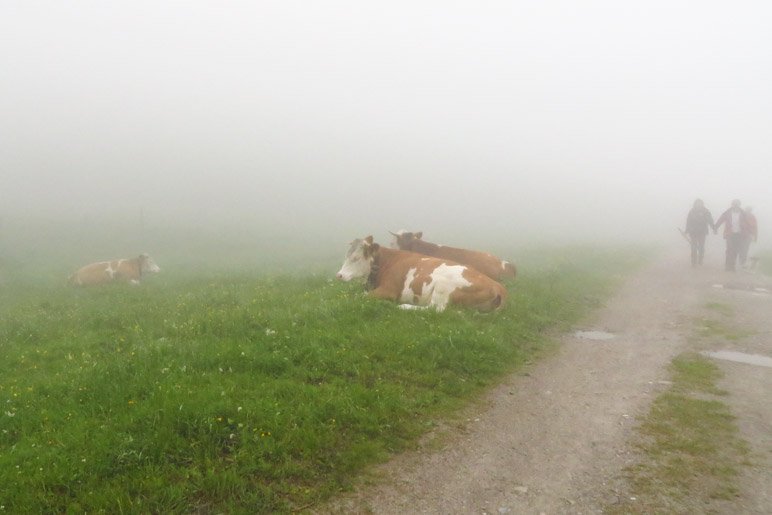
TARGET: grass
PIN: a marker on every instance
(708, 327)
(689, 441)
(690, 444)
(720, 307)
(241, 393)
(694, 374)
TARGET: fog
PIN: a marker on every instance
(480, 123)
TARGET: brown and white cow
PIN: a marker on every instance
(415, 279)
(488, 264)
(128, 270)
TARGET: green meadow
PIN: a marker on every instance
(244, 391)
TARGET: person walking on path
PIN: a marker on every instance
(698, 222)
(733, 220)
(750, 234)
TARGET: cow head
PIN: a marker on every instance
(147, 265)
(359, 259)
(403, 240)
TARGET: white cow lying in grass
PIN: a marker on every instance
(126, 270)
(419, 280)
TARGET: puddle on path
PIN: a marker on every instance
(740, 357)
(593, 335)
(744, 287)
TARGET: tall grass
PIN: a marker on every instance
(246, 393)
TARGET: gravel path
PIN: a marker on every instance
(555, 437)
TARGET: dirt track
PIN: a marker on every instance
(556, 437)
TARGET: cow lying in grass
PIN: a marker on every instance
(126, 270)
(483, 262)
(415, 279)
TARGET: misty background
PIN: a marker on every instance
(260, 126)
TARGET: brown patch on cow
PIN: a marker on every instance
(421, 279)
(483, 262)
(125, 270)
(391, 268)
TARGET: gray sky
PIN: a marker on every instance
(530, 118)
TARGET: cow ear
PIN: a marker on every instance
(370, 250)
(418, 235)
(369, 240)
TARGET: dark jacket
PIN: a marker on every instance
(698, 221)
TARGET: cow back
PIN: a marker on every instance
(423, 280)
(483, 262)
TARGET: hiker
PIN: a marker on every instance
(750, 233)
(697, 223)
(734, 221)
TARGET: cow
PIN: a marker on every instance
(126, 270)
(415, 279)
(488, 264)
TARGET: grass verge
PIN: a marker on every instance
(708, 327)
(246, 394)
(690, 443)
